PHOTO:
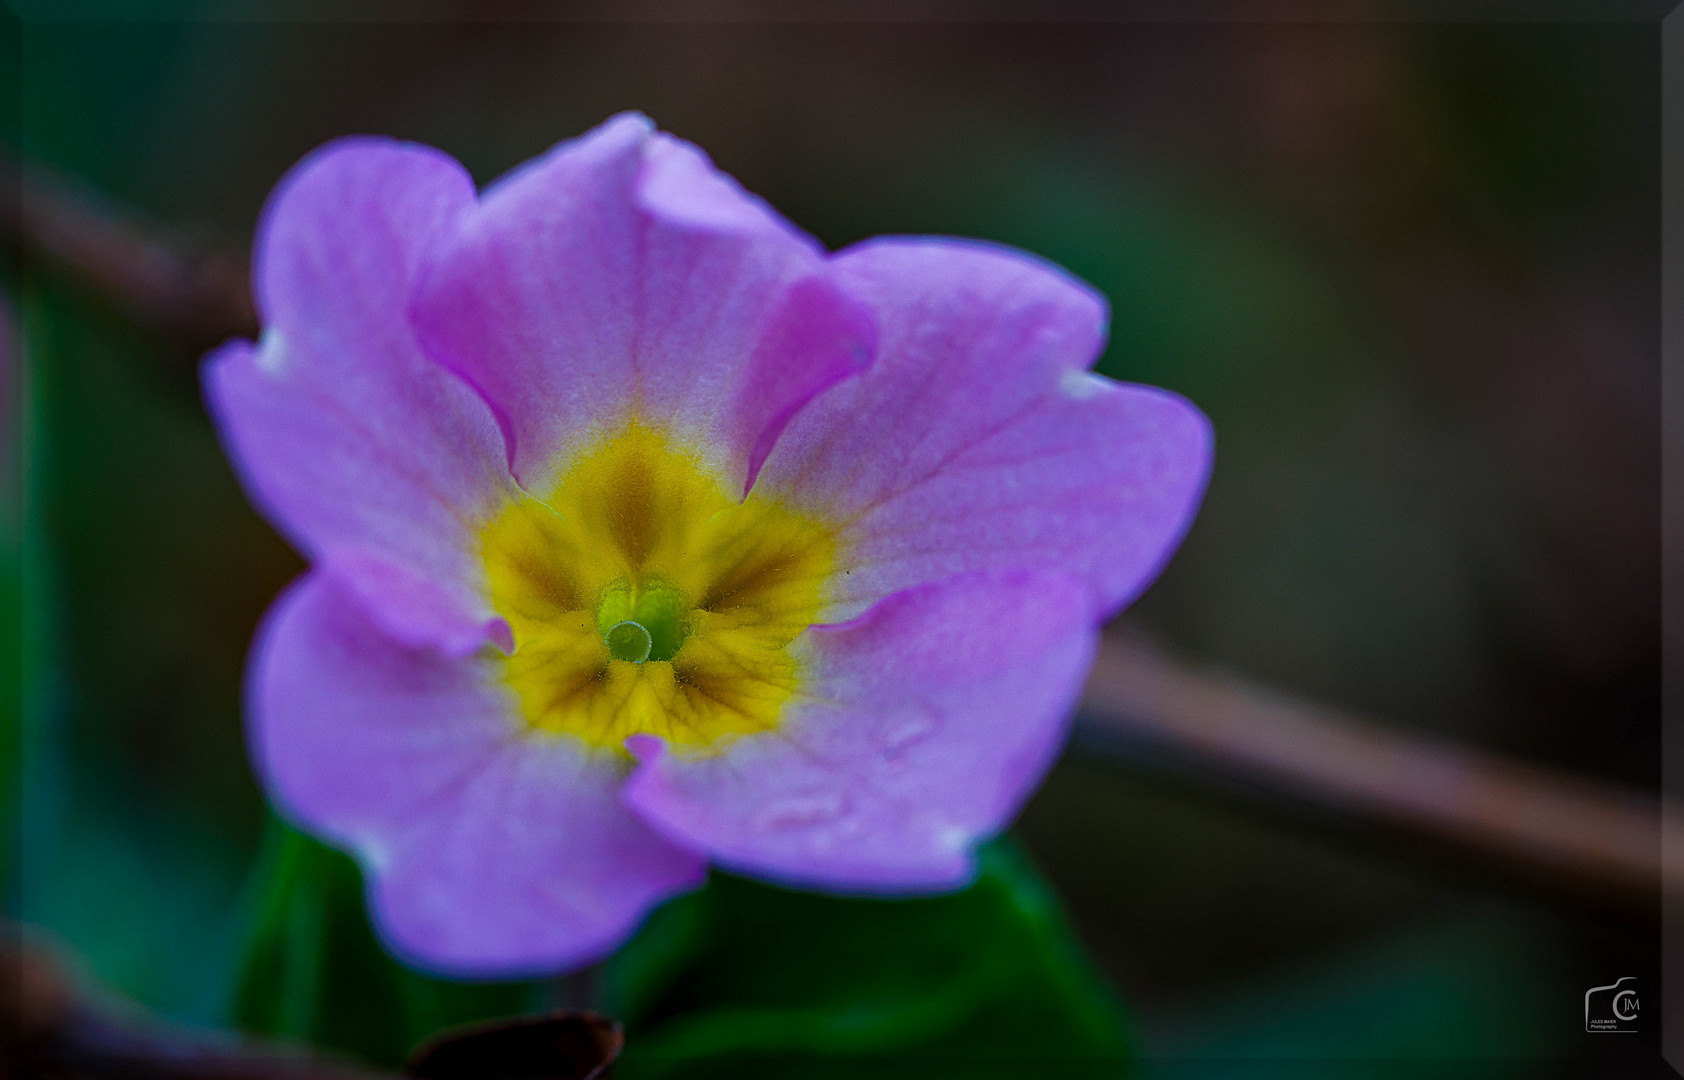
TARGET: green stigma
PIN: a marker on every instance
(643, 621)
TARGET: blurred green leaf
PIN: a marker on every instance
(1469, 990)
(137, 813)
(313, 970)
(14, 615)
(988, 981)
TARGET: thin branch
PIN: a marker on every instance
(1595, 835)
(147, 272)
(50, 1031)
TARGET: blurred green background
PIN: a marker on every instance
(1409, 271)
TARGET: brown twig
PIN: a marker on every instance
(92, 1047)
(148, 273)
(1594, 835)
(51, 1031)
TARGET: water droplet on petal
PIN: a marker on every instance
(904, 733)
(801, 811)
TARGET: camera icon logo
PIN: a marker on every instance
(1612, 1008)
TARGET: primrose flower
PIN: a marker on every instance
(644, 534)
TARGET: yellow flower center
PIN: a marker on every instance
(645, 599)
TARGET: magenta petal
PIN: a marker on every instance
(925, 724)
(489, 851)
(622, 276)
(359, 448)
(977, 441)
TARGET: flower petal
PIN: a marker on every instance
(359, 448)
(926, 724)
(977, 441)
(490, 851)
(622, 275)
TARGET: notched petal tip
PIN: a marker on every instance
(818, 337)
(960, 263)
(1184, 444)
(1183, 426)
(612, 140)
(626, 119)
(680, 184)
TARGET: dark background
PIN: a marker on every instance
(1410, 271)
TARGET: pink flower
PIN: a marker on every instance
(645, 533)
